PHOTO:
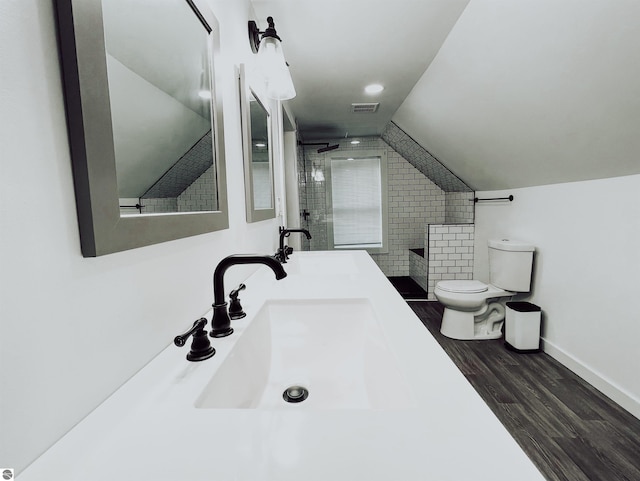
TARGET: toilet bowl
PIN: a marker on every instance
(473, 309)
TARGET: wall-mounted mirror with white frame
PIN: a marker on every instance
(145, 120)
(257, 143)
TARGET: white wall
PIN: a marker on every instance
(587, 264)
(74, 329)
(539, 91)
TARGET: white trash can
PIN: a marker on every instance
(522, 327)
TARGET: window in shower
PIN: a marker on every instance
(357, 201)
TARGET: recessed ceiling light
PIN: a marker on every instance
(374, 89)
(261, 145)
(355, 142)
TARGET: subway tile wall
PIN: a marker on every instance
(459, 207)
(422, 159)
(418, 268)
(414, 201)
(196, 197)
(199, 196)
(158, 205)
(195, 162)
(449, 253)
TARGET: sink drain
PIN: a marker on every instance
(295, 394)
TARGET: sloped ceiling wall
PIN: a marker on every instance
(422, 160)
(533, 92)
(195, 162)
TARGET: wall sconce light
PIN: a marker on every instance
(271, 61)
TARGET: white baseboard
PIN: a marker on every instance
(597, 380)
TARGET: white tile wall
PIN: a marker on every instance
(199, 196)
(449, 253)
(418, 269)
(459, 207)
(414, 201)
(196, 198)
(159, 205)
(422, 159)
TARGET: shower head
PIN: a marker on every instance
(328, 148)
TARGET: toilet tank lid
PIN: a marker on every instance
(468, 286)
(511, 245)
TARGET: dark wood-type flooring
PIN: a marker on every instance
(408, 288)
(568, 429)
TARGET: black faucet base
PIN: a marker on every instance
(221, 332)
(220, 322)
(201, 355)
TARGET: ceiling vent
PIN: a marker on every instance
(364, 108)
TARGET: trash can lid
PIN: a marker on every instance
(521, 306)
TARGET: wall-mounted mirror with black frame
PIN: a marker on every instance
(258, 152)
(145, 120)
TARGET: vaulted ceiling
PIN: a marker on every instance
(504, 93)
(336, 47)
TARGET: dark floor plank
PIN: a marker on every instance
(408, 288)
(549, 458)
(570, 430)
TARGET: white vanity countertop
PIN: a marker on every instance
(150, 428)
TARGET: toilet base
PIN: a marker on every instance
(465, 326)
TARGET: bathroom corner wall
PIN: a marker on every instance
(585, 273)
(459, 207)
(414, 201)
(449, 253)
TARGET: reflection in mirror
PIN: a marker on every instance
(160, 98)
(258, 153)
(145, 120)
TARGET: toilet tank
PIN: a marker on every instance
(510, 264)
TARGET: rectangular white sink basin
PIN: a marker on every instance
(334, 348)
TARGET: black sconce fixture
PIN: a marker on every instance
(271, 62)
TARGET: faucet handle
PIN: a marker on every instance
(235, 308)
(201, 347)
(234, 293)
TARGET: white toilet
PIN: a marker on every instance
(475, 310)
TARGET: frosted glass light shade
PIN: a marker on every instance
(274, 68)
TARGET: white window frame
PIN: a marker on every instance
(361, 154)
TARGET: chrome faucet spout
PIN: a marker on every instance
(221, 323)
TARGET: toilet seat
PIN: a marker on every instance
(463, 286)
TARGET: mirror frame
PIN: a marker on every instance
(253, 214)
(83, 55)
